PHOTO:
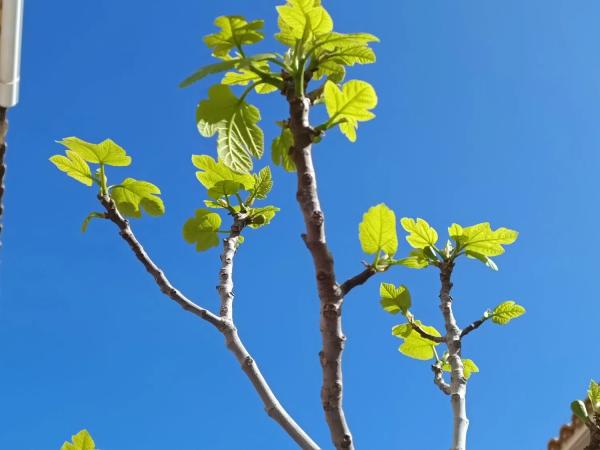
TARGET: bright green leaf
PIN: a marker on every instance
(422, 235)
(211, 172)
(224, 188)
(106, 152)
(505, 312)
(483, 258)
(202, 229)
(241, 63)
(262, 216)
(280, 150)
(132, 196)
(482, 239)
(235, 121)
(80, 441)
(74, 166)
(416, 260)
(263, 183)
(594, 395)
(414, 345)
(234, 32)
(394, 299)
(469, 367)
(349, 105)
(377, 231)
(302, 19)
(245, 76)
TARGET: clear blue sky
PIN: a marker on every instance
(488, 111)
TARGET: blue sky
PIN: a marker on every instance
(487, 111)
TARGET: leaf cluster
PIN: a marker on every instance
(589, 414)
(378, 237)
(132, 197)
(233, 192)
(314, 51)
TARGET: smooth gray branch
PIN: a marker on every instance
(330, 294)
(438, 379)
(223, 323)
(458, 382)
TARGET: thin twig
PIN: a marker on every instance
(438, 379)
(425, 334)
(473, 326)
(3, 131)
(357, 280)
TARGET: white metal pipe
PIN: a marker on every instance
(11, 26)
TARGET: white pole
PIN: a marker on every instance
(11, 26)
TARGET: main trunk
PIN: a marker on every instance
(330, 294)
(458, 384)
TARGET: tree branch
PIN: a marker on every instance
(458, 385)
(425, 334)
(224, 323)
(330, 294)
(161, 280)
(357, 280)
(473, 326)
(3, 130)
(438, 379)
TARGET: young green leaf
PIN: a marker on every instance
(416, 260)
(132, 196)
(377, 231)
(482, 239)
(394, 299)
(579, 409)
(202, 229)
(302, 19)
(244, 76)
(594, 395)
(106, 152)
(240, 63)
(80, 441)
(507, 311)
(280, 150)
(349, 105)
(422, 235)
(263, 183)
(414, 345)
(211, 172)
(469, 367)
(235, 121)
(74, 166)
(483, 258)
(225, 188)
(259, 217)
(234, 32)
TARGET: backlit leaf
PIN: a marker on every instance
(349, 105)
(394, 299)
(234, 32)
(507, 311)
(421, 235)
(377, 231)
(132, 196)
(239, 137)
(106, 152)
(74, 166)
(202, 229)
